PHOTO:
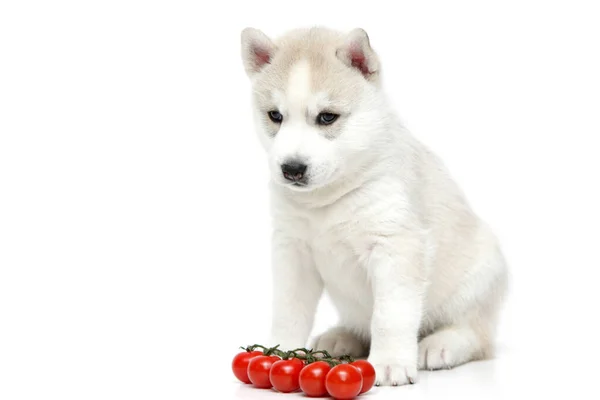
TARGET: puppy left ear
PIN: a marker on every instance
(356, 52)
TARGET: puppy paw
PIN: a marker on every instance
(439, 351)
(394, 374)
(339, 341)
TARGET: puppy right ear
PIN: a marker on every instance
(257, 50)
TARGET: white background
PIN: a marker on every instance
(134, 227)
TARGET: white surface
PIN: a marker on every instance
(134, 232)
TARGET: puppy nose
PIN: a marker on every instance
(293, 171)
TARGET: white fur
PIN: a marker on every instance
(381, 226)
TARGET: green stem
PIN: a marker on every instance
(256, 346)
(307, 355)
(273, 350)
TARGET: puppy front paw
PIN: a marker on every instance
(395, 365)
(392, 374)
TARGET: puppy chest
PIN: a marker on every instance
(343, 270)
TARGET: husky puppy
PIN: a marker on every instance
(363, 210)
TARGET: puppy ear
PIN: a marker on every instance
(356, 52)
(257, 50)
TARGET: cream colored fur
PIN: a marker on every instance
(417, 278)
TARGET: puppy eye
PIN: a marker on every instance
(326, 118)
(275, 116)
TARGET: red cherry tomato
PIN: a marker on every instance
(258, 370)
(368, 373)
(343, 382)
(239, 365)
(285, 375)
(312, 379)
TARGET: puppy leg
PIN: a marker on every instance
(471, 336)
(396, 269)
(297, 287)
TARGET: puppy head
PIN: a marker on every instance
(316, 102)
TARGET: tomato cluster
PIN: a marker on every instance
(316, 377)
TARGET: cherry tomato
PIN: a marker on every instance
(285, 375)
(312, 379)
(258, 370)
(239, 365)
(368, 373)
(343, 382)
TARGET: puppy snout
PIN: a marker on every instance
(293, 171)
